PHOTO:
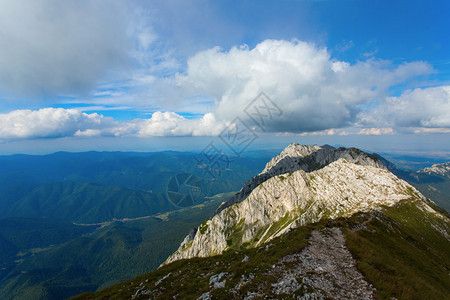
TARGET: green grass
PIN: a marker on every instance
(277, 226)
(203, 227)
(401, 254)
(235, 233)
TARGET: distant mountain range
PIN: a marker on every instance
(438, 169)
(45, 254)
(317, 223)
(94, 187)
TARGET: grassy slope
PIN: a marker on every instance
(109, 255)
(399, 252)
(189, 279)
(402, 254)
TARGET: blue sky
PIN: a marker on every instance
(154, 75)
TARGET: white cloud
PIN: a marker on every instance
(418, 108)
(376, 131)
(59, 122)
(88, 133)
(172, 124)
(351, 131)
(317, 94)
(314, 91)
(431, 130)
(50, 47)
(52, 122)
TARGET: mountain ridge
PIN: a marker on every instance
(301, 157)
(302, 185)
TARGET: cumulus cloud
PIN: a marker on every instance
(59, 122)
(317, 95)
(51, 122)
(49, 47)
(417, 108)
(172, 124)
(314, 91)
(376, 131)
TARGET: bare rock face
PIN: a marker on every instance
(294, 191)
(302, 157)
(438, 169)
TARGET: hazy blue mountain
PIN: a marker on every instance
(133, 170)
(54, 259)
(22, 238)
(94, 187)
(26, 233)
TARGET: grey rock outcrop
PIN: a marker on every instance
(302, 157)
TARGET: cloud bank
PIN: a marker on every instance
(59, 122)
(50, 122)
(172, 124)
(427, 108)
(317, 94)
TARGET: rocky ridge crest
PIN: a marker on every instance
(302, 157)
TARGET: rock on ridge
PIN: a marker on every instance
(288, 200)
(293, 150)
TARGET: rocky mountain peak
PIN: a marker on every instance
(293, 150)
(302, 185)
(302, 157)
